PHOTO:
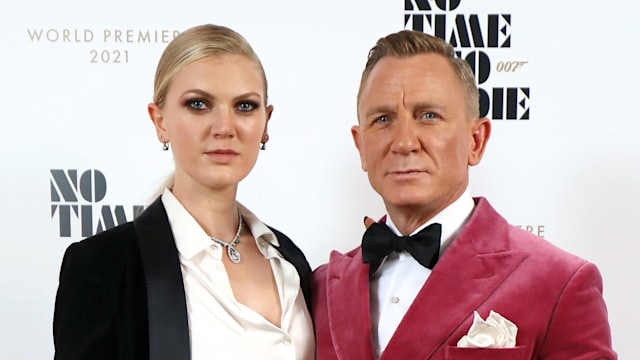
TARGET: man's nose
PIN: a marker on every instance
(405, 135)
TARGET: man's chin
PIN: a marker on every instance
(407, 202)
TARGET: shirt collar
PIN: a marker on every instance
(189, 236)
(258, 229)
(452, 218)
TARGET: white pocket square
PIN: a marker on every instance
(495, 332)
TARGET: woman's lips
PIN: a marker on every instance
(222, 155)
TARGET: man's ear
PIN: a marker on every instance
(480, 132)
(357, 140)
(155, 113)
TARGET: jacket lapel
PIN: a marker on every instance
(348, 305)
(294, 255)
(166, 303)
(473, 267)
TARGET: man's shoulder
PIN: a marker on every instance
(541, 249)
(535, 247)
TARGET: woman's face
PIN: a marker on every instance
(214, 118)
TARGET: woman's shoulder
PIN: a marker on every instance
(109, 247)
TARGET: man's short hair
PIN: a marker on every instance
(408, 43)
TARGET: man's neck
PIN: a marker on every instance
(408, 219)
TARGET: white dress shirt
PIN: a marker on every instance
(221, 327)
(396, 283)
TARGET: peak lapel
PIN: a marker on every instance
(166, 302)
(348, 305)
(475, 264)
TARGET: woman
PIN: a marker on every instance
(196, 275)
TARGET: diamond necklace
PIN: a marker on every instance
(232, 252)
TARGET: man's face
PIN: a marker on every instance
(416, 137)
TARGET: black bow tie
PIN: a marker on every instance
(379, 241)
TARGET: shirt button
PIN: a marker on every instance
(287, 341)
(395, 299)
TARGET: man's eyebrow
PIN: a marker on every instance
(431, 105)
(380, 108)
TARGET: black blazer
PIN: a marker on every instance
(121, 293)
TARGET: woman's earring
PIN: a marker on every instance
(165, 144)
(263, 143)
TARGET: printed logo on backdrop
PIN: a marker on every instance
(104, 46)
(77, 203)
(480, 39)
(534, 229)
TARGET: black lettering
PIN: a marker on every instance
(494, 30)
(417, 21)
(480, 64)
(524, 103)
(64, 184)
(106, 220)
(93, 185)
(498, 105)
(86, 220)
(440, 26)
(460, 33)
(505, 103)
(512, 103)
(442, 4)
(485, 102)
(420, 4)
(64, 217)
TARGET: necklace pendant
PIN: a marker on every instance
(233, 254)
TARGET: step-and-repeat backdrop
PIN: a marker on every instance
(79, 154)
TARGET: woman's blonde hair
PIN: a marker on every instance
(197, 43)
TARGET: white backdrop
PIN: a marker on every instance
(569, 172)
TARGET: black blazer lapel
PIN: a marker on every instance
(166, 302)
(294, 255)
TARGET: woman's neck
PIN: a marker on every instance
(215, 210)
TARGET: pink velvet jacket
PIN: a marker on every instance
(553, 297)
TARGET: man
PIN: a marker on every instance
(419, 130)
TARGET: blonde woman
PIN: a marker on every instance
(196, 275)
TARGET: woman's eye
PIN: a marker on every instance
(197, 104)
(246, 106)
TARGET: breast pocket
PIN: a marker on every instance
(456, 353)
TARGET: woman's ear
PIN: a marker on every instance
(155, 113)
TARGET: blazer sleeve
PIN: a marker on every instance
(579, 328)
(83, 317)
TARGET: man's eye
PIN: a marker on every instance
(382, 119)
(429, 116)
(246, 106)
